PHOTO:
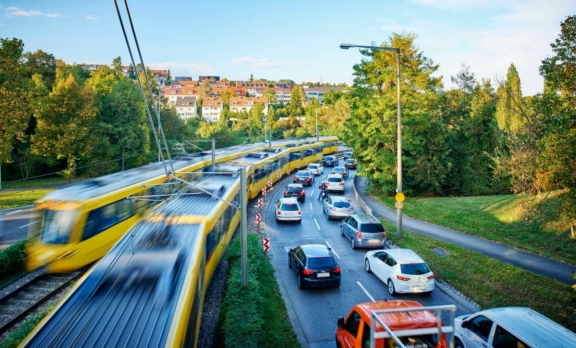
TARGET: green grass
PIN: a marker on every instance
(492, 283)
(35, 182)
(521, 221)
(16, 337)
(13, 199)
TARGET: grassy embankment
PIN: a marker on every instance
(14, 199)
(521, 221)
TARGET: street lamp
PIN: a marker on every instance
(399, 195)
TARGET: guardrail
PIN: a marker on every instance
(359, 200)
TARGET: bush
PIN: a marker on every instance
(19, 335)
(12, 259)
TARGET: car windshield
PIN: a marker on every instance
(342, 204)
(289, 207)
(334, 179)
(371, 228)
(321, 262)
(414, 268)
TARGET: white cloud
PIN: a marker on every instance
(260, 62)
(14, 11)
(91, 17)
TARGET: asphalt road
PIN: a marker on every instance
(314, 312)
(14, 224)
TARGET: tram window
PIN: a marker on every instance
(308, 152)
(57, 225)
(259, 173)
(334, 143)
(283, 161)
(105, 217)
(319, 149)
(295, 156)
(325, 144)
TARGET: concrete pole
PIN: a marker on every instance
(399, 150)
(243, 228)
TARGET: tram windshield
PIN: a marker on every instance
(57, 225)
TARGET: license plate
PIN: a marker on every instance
(373, 241)
(323, 275)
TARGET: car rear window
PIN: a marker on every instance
(305, 174)
(334, 179)
(329, 158)
(414, 268)
(349, 161)
(294, 189)
(289, 207)
(313, 166)
(371, 228)
(320, 262)
(342, 204)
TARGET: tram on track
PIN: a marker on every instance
(79, 223)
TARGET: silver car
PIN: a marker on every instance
(337, 207)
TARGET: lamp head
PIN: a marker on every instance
(345, 46)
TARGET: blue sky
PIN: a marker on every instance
(297, 40)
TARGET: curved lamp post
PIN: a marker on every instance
(399, 150)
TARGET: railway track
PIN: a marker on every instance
(24, 298)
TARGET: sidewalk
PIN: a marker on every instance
(540, 265)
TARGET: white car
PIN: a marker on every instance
(288, 209)
(401, 270)
(316, 168)
(334, 182)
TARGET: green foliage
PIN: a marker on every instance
(25, 328)
(12, 259)
(297, 99)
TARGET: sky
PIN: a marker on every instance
(297, 40)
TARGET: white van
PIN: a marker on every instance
(516, 327)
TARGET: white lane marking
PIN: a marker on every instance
(316, 223)
(334, 252)
(29, 224)
(311, 208)
(311, 193)
(14, 212)
(366, 291)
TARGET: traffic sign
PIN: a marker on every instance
(260, 202)
(263, 191)
(266, 244)
(288, 172)
(269, 183)
(279, 175)
(399, 205)
(400, 197)
(258, 219)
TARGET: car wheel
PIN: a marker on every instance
(391, 288)
(277, 220)
(337, 285)
(300, 282)
(353, 244)
(341, 230)
(289, 260)
(367, 265)
(458, 343)
(300, 221)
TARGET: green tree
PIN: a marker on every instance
(41, 63)
(65, 119)
(14, 104)
(168, 78)
(331, 97)
(510, 111)
(296, 101)
(205, 89)
(270, 94)
(251, 78)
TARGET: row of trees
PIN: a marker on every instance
(474, 139)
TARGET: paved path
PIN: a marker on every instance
(541, 265)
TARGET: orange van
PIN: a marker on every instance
(408, 322)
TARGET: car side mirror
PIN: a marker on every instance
(465, 324)
(341, 322)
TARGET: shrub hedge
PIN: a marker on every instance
(12, 259)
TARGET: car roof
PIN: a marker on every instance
(316, 250)
(404, 255)
(339, 199)
(365, 218)
(399, 320)
(295, 185)
(288, 200)
(531, 327)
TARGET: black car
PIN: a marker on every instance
(350, 163)
(314, 265)
(304, 177)
(330, 161)
(347, 155)
(295, 190)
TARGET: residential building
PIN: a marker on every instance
(182, 78)
(171, 94)
(159, 76)
(239, 104)
(186, 107)
(212, 109)
(318, 92)
(282, 95)
(202, 78)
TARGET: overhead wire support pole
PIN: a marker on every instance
(399, 149)
(148, 83)
(140, 84)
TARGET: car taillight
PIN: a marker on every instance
(384, 235)
(301, 193)
(285, 193)
(299, 212)
(341, 184)
(350, 209)
(402, 278)
(308, 179)
(308, 272)
(336, 270)
(295, 179)
(332, 208)
(430, 276)
(359, 235)
(279, 212)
